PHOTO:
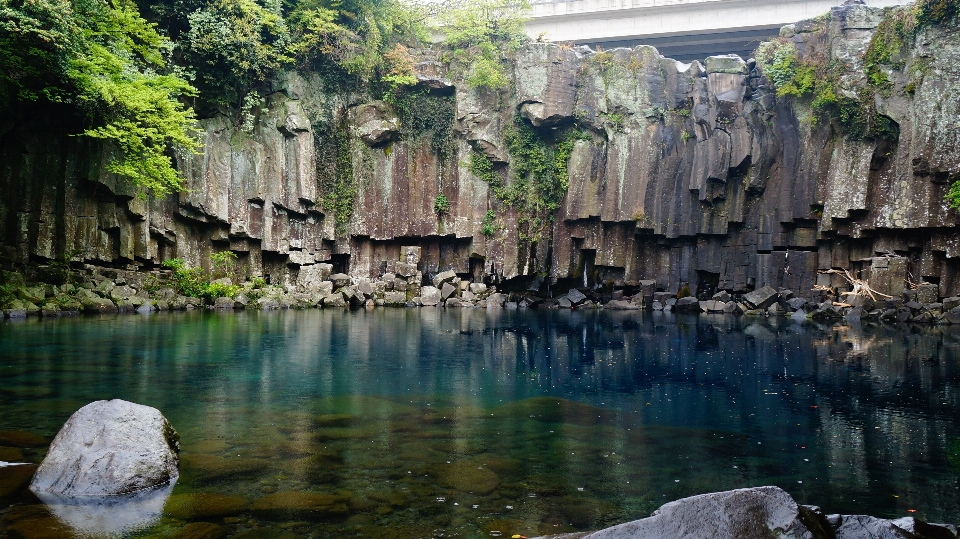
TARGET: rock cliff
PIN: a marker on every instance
(693, 176)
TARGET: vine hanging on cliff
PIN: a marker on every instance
(539, 176)
(335, 183)
(424, 115)
(816, 82)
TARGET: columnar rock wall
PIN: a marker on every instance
(692, 176)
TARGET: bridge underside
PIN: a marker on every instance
(682, 29)
(697, 46)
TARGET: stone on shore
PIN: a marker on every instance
(761, 299)
(576, 297)
(109, 448)
(430, 296)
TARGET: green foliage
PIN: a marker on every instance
(953, 453)
(479, 32)
(37, 40)
(779, 60)
(482, 167)
(335, 172)
(399, 68)
(213, 291)
(562, 153)
(616, 121)
(816, 83)
(425, 115)
(358, 37)
(190, 282)
(232, 47)
(8, 295)
(234, 44)
(539, 176)
(258, 282)
(105, 63)
(953, 195)
(223, 263)
(889, 42)
(195, 283)
(930, 12)
(489, 225)
(487, 73)
(441, 205)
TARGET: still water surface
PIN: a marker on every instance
(469, 423)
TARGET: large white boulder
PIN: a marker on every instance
(110, 448)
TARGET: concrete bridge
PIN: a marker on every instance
(682, 29)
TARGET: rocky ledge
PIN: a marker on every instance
(761, 513)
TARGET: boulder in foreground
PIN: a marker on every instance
(110, 448)
(761, 513)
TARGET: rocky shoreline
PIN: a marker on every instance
(46, 292)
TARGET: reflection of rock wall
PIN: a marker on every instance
(695, 175)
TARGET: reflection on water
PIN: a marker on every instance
(113, 516)
(468, 423)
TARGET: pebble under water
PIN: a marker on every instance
(400, 423)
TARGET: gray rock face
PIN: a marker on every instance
(687, 305)
(700, 169)
(223, 303)
(110, 448)
(376, 123)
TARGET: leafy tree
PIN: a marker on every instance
(479, 32)
(107, 63)
(36, 41)
(233, 45)
(399, 68)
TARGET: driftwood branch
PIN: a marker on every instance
(860, 286)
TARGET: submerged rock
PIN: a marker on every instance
(10, 454)
(468, 477)
(110, 448)
(15, 478)
(19, 438)
(203, 506)
(297, 505)
(200, 530)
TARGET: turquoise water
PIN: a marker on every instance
(468, 423)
